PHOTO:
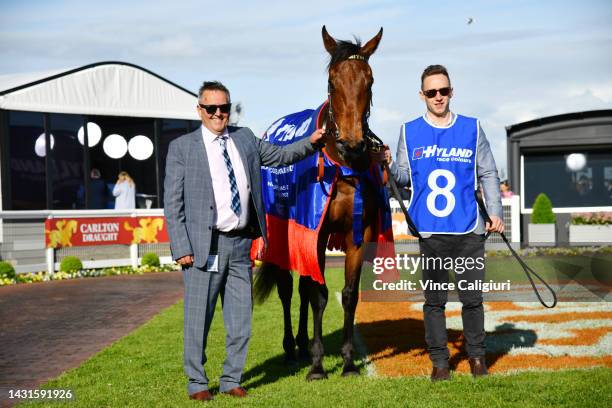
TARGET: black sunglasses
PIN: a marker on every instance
(212, 109)
(431, 93)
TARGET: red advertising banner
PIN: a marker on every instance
(66, 232)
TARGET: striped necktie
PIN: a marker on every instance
(232, 176)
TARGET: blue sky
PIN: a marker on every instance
(518, 60)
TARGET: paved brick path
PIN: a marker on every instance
(48, 328)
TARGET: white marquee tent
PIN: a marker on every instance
(104, 88)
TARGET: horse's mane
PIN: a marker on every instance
(344, 49)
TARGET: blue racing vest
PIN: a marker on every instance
(443, 175)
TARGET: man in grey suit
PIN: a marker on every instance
(214, 208)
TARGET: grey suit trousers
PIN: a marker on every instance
(202, 288)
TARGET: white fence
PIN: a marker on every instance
(511, 216)
(22, 238)
(22, 235)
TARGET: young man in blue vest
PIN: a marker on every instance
(445, 158)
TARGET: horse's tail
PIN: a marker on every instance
(265, 281)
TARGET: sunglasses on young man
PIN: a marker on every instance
(431, 93)
(212, 109)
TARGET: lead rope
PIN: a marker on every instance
(526, 268)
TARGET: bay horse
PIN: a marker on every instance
(348, 142)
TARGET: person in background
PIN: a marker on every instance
(124, 192)
(97, 190)
(504, 188)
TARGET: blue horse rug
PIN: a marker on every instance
(296, 202)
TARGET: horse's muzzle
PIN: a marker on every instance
(351, 153)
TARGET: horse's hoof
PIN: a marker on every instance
(350, 373)
(350, 370)
(318, 374)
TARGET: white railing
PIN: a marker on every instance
(511, 212)
(511, 215)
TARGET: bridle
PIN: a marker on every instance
(373, 142)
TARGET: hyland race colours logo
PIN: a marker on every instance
(443, 153)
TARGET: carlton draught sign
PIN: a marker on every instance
(67, 232)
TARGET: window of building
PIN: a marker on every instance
(580, 178)
(115, 144)
(27, 161)
(170, 130)
(194, 124)
(127, 144)
(67, 162)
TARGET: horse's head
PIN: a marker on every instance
(350, 94)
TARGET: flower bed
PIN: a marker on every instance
(85, 273)
(555, 251)
(596, 218)
(591, 228)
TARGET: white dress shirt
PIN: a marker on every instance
(226, 220)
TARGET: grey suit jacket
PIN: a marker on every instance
(486, 171)
(189, 204)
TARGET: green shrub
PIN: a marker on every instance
(71, 264)
(150, 259)
(542, 210)
(7, 270)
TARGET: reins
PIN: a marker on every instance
(526, 268)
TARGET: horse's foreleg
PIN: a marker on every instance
(318, 301)
(350, 296)
(302, 334)
(284, 285)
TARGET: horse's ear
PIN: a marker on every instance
(369, 48)
(328, 41)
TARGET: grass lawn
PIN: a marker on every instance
(144, 369)
(586, 268)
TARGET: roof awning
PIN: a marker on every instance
(107, 88)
